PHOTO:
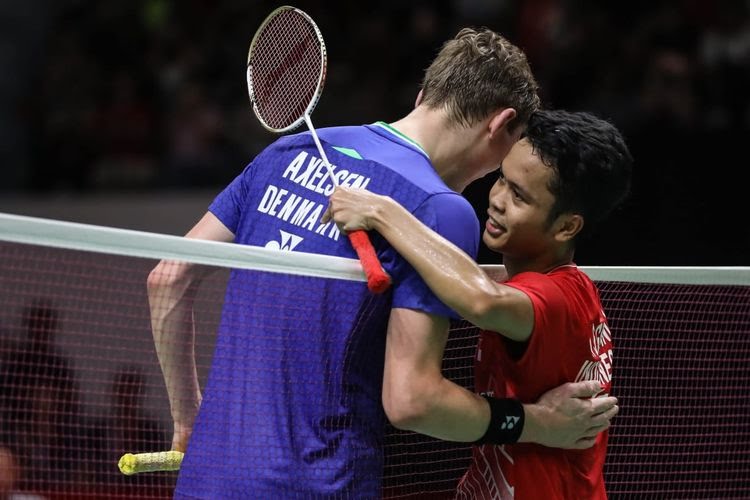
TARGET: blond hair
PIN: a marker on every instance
(478, 72)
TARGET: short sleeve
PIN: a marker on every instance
(450, 215)
(551, 309)
(228, 205)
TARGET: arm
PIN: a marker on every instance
(171, 291)
(416, 396)
(449, 272)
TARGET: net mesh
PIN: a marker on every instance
(285, 67)
(81, 384)
(682, 373)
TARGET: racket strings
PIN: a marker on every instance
(286, 66)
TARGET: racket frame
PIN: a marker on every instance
(321, 77)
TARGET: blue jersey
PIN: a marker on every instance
(292, 406)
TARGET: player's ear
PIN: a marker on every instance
(419, 99)
(567, 226)
(500, 120)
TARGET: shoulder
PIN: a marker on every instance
(572, 280)
(453, 217)
(449, 208)
(339, 132)
(447, 199)
(544, 289)
(566, 289)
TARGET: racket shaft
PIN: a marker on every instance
(327, 163)
(377, 279)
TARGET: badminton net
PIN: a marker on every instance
(80, 381)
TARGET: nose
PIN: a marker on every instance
(498, 196)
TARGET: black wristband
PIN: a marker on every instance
(506, 421)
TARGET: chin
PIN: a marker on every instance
(492, 243)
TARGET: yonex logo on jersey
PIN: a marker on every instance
(288, 241)
(510, 422)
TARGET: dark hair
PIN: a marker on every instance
(591, 162)
(478, 72)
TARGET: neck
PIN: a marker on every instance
(447, 145)
(542, 264)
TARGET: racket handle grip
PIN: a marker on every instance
(130, 463)
(378, 280)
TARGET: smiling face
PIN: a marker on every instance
(567, 166)
(520, 202)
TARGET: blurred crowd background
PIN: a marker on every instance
(108, 96)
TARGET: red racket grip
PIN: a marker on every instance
(378, 280)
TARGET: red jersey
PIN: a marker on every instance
(570, 342)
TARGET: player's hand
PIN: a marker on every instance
(569, 416)
(353, 209)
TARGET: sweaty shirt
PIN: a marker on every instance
(570, 342)
(292, 406)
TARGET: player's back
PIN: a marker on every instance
(295, 386)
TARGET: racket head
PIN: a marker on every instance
(286, 69)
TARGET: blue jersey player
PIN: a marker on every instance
(303, 367)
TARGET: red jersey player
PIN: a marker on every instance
(543, 326)
(570, 341)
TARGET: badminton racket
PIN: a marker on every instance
(286, 71)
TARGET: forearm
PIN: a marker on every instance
(451, 413)
(171, 292)
(416, 395)
(172, 327)
(174, 341)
